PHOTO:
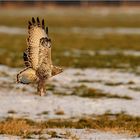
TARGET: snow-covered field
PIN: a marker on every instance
(23, 101)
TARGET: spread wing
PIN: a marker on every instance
(36, 31)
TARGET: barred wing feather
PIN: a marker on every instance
(36, 31)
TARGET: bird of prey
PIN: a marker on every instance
(37, 57)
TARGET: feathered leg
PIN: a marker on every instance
(41, 87)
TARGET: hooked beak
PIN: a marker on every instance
(49, 44)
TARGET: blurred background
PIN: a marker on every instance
(98, 45)
(101, 34)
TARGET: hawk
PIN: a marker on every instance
(37, 57)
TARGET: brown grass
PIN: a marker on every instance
(111, 122)
(81, 43)
(12, 112)
(12, 46)
(19, 127)
(120, 122)
(73, 16)
(84, 91)
(59, 112)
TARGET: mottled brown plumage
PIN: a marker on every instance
(37, 57)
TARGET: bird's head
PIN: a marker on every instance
(45, 41)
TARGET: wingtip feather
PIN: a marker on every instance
(29, 23)
(47, 30)
(43, 24)
(38, 22)
(33, 20)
